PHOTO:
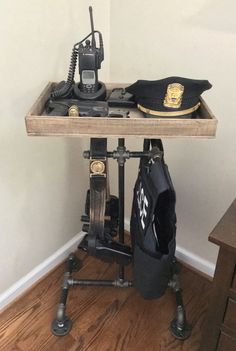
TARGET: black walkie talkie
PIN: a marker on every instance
(90, 58)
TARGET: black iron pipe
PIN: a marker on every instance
(132, 154)
(96, 282)
(121, 180)
(64, 295)
(179, 298)
(91, 282)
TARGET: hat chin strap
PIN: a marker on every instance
(168, 113)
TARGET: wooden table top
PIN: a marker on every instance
(39, 124)
(224, 233)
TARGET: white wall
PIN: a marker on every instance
(195, 39)
(42, 180)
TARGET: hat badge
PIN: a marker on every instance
(174, 94)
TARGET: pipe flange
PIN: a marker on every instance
(182, 333)
(59, 328)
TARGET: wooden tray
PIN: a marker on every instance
(138, 126)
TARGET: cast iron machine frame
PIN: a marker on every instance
(62, 325)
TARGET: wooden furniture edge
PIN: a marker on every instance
(206, 108)
(216, 235)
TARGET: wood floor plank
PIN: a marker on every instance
(104, 319)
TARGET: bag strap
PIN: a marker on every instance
(158, 143)
(153, 143)
(98, 185)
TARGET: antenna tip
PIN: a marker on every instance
(90, 8)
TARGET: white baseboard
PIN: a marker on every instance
(195, 261)
(189, 257)
(39, 271)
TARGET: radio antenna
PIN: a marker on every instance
(92, 26)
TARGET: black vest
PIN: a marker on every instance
(153, 226)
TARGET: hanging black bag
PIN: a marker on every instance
(153, 225)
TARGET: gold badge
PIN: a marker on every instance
(73, 111)
(173, 97)
(97, 167)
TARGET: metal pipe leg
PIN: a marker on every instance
(179, 326)
(121, 180)
(61, 325)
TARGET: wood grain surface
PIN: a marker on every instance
(104, 319)
(39, 124)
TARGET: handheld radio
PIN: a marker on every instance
(90, 57)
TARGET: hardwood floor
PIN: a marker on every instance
(104, 319)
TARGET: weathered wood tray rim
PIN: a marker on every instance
(136, 126)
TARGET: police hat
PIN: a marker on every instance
(169, 97)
